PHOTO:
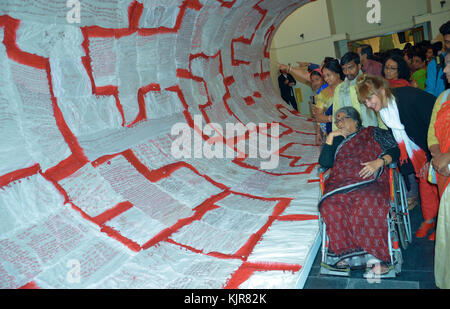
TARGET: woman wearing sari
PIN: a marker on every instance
(439, 144)
(318, 85)
(323, 110)
(355, 202)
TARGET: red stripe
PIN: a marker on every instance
(313, 180)
(200, 211)
(112, 213)
(247, 249)
(65, 168)
(134, 14)
(19, 174)
(298, 217)
(117, 236)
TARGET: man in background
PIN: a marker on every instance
(368, 65)
(435, 83)
(286, 81)
(345, 93)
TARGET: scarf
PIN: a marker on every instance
(396, 83)
(321, 88)
(408, 149)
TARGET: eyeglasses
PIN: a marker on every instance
(346, 68)
(342, 119)
(390, 68)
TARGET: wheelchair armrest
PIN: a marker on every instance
(322, 169)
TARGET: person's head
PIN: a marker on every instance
(409, 58)
(429, 53)
(395, 51)
(348, 119)
(351, 65)
(332, 72)
(437, 47)
(395, 67)
(447, 69)
(445, 31)
(373, 91)
(325, 60)
(283, 71)
(317, 80)
(365, 52)
(419, 60)
(407, 47)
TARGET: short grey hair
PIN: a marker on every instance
(351, 112)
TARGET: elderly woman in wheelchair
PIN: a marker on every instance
(356, 198)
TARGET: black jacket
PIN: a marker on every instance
(415, 107)
(285, 89)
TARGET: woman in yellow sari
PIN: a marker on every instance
(323, 110)
(439, 144)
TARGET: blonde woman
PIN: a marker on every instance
(407, 112)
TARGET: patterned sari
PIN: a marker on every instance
(442, 249)
(355, 209)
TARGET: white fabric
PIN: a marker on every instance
(121, 211)
(391, 118)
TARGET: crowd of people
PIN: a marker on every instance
(371, 110)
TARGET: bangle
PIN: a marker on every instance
(385, 162)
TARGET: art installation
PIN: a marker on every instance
(143, 145)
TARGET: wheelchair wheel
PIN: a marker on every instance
(402, 233)
(401, 211)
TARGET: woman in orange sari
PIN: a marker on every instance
(439, 143)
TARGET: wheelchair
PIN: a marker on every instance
(399, 231)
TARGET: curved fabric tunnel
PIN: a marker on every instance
(143, 145)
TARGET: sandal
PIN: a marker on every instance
(341, 266)
(379, 270)
(412, 202)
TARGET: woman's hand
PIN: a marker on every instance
(319, 115)
(445, 171)
(282, 66)
(313, 110)
(319, 139)
(333, 134)
(370, 168)
(441, 162)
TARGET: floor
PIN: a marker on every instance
(417, 271)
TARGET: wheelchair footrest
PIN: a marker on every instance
(326, 269)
